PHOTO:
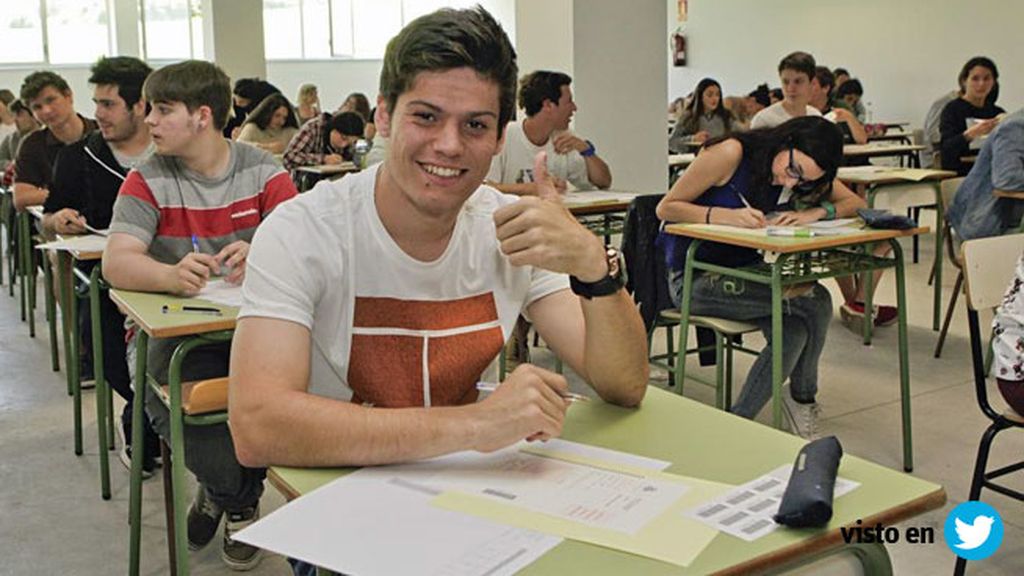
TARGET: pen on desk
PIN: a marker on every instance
(570, 396)
(195, 244)
(191, 309)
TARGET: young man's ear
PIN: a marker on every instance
(204, 117)
(382, 118)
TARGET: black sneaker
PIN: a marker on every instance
(148, 462)
(239, 555)
(203, 519)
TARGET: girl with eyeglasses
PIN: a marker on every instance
(787, 174)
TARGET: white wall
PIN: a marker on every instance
(544, 35)
(905, 53)
(618, 82)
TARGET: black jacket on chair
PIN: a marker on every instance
(646, 271)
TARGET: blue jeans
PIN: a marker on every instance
(805, 320)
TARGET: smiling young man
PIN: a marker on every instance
(547, 100)
(375, 304)
(796, 72)
(184, 215)
(86, 180)
(51, 101)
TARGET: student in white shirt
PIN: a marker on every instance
(547, 100)
(796, 72)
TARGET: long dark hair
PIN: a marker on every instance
(812, 135)
(262, 114)
(696, 108)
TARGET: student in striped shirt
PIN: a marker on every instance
(199, 191)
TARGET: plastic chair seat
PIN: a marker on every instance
(1012, 415)
(723, 325)
(200, 397)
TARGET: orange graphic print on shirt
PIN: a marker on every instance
(421, 352)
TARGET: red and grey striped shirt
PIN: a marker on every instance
(163, 203)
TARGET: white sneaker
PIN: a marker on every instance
(803, 418)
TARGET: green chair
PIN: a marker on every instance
(201, 403)
(726, 333)
(988, 268)
(949, 189)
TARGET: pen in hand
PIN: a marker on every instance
(570, 396)
(195, 244)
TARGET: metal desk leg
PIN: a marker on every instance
(73, 356)
(940, 219)
(22, 232)
(66, 301)
(868, 282)
(138, 453)
(873, 558)
(777, 341)
(51, 313)
(102, 388)
(901, 303)
(684, 316)
(180, 533)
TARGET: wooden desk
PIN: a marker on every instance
(904, 137)
(707, 443)
(883, 179)
(882, 149)
(800, 260)
(145, 309)
(310, 175)
(592, 202)
(72, 340)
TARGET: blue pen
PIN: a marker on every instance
(195, 244)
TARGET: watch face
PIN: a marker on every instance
(614, 263)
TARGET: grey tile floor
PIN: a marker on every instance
(52, 520)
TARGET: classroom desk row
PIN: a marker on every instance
(735, 451)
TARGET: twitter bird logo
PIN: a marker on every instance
(973, 530)
(973, 535)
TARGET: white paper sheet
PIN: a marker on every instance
(86, 243)
(746, 512)
(592, 496)
(589, 197)
(221, 292)
(98, 231)
(373, 522)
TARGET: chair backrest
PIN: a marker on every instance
(949, 188)
(989, 265)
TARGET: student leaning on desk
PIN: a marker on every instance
(374, 304)
(179, 218)
(789, 170)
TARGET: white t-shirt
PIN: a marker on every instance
(387, 329)
(7, 129)
(514, 165)
(775, 114)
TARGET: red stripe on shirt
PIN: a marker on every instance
(277, 190)
(135, 186)
(176, 221)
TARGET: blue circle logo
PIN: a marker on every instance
(973, 530)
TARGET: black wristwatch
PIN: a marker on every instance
(610, 284)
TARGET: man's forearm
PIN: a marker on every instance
(139, 272)
(26, 195)
(302, 429)
(598, 172)
(615, 348)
